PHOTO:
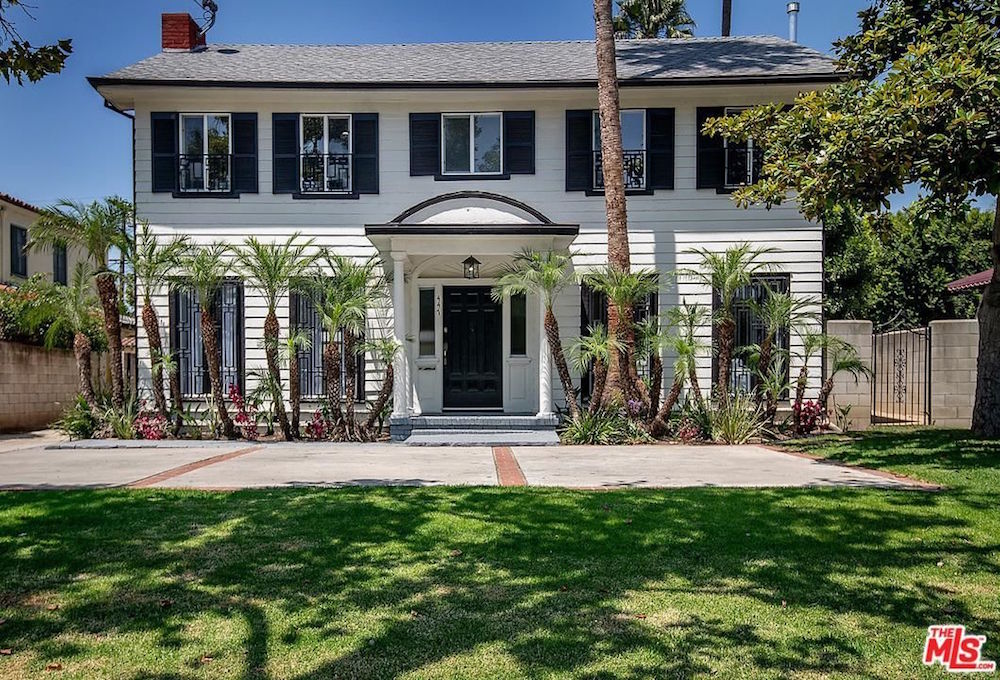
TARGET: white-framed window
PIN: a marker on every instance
(633, 123)
(206, 151)
(472, 143)
(325, 150)
(742, 159)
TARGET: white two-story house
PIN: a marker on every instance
(427, 155)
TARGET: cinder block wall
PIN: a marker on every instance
(36, 384)
(954, 351)
(845, 389)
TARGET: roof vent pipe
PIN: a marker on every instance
(793, 21)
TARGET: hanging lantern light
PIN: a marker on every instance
(471, 267)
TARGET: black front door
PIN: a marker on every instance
(473, 348)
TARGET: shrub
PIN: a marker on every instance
(26, 315)
(246, 414)
(688, 430)
(809, 415)
(605, 427)
(319, 427)
(78, 421)
(737, 421)
(151, 425)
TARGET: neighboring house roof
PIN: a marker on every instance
(481, 64)
(7, 198)
(979, 280)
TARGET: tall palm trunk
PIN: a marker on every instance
(108, 293)
(655, 382)
(985, 414)
(82, 350)
(152, 325)
(294, 392)
(614, 183)
(350, 383)
(271, 331)
(331, 365)
(695, 387)
(800, 393)
(211, 342)
(383, 396)
(661, 421)
(555, 347)
(727, 329)
(600, 377)
(824, 393)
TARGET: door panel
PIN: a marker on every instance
(473, 350)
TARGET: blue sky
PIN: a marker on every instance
(57, 140)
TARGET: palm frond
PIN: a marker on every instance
(272, 268)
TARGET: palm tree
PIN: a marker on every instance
(624, 290)
(813, 342)
(842, 357)
(725, 274)
(545, 275)
(778, 312)
(594, 350)
(205, 269)
(270, 268)
(385, 350)
(653, 19)
(295, 342)
(649, 343)
(71, 309)
(96, 229)
(686, 319)
(166, 362)
(152, 263)
(686, 347)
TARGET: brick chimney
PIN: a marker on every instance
(181, 32)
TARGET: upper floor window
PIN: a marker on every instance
(472, 143)
(18, 252)
(743, 159)
(326, 147)
(59, 269)
(725, 164)
(633, 122)
(205, 162)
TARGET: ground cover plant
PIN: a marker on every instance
(506, 583)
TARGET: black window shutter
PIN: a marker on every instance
(245, 153)
(366, 153)
(579, 150)
(660, 147)
(711, 152)
(519, 142)
(425, 144)
(164, 133)
(285, 153)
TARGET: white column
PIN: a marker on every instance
(401, 387)
(544, 365)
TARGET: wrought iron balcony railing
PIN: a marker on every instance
(634, 166)
(325, 173)
(743, 165)
(205, 172)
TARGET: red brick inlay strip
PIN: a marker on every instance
(508, 471)
(190, 467)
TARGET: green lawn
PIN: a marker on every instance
(501, 583)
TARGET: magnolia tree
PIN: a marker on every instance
(918, 105)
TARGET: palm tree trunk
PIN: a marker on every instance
(331, 366)
(350, 382)
(764, 365)
(824, 394)
(800, 393)
(294, 392)
(986, 412)
(271, 331)
(383, 396)
(655, 382)
(112, 328)
(151, 323)
(662, 419)
(211, 342)
(555, 347)
(695, 387)
(177, 397)
(596, 394)
(82, 350)
(614, 391)
(727, 328)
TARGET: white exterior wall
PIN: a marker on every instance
(662, 227)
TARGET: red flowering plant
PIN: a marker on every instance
(319, 427)
(807, 415)
(688, 431)
(246, 414)
(150, 425)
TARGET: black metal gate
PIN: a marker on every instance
(901, 382)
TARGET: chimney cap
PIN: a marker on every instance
(793, 7)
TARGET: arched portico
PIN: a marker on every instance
(463, 352)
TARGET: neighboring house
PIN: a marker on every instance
(427, 155)
(16, 263)
(973, 282)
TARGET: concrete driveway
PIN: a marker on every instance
(236, 465)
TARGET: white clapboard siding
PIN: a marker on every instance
(663, 227)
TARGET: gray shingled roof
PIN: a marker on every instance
(489, 63)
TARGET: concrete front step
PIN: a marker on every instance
(479, 437)
(483, 422)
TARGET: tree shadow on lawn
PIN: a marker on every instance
(374, 583)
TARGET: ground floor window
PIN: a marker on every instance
(750, 329)
(593, 311)
(186, 338)
(305, 319)
(18, 251)
(59, 272)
